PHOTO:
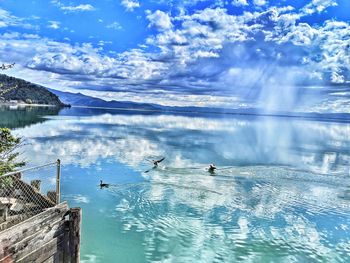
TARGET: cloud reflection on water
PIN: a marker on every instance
(251, 220)
(316, 146)
(278, 196)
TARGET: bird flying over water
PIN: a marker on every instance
(155, 164)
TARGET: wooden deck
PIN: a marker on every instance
(51, 236)
(35, 228)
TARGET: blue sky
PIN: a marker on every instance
(287, 55)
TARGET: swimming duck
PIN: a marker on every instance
(103, 184)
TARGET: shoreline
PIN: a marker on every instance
(308, 116)
(23, 105)
(26, 105)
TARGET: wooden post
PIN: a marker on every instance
(74, 234)
(4, 211)
(65, 248)
(52, 195)
(36, 184)
(58, 180)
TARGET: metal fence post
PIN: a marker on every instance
(58, 179)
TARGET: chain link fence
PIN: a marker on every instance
(28, 192)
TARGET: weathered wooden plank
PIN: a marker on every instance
(32, 244)
(47, 237)
(29, 227)
(13, 220)
(45, 215)
(42, 253)
(52, 259)
(52, 196)
(37, 240)
(7, 259)
(74, 234)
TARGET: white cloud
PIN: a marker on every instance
(7, 19)
(337, 78)
(203, 54)
(239, 2)
(318, 6)
(302, 35)
(202, 34)
(78, 198)
(160, 20)
(54, 24)
(130, 5)
(72, 8)
(259, 2)
(115, 26)
(82, 7)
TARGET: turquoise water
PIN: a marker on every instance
(281, 192)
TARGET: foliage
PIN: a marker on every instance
(6, 182)
(20, 90)
(8, 154)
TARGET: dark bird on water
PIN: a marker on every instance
(102, 185)
(212, 168)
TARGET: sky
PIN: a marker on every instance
(276, 55)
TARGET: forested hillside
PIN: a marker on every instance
(23, 91)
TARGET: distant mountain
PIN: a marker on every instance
(19, 90)
(78, 99)
(23, 91)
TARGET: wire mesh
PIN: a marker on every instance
(28, 192)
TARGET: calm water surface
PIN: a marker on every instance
(281, 193)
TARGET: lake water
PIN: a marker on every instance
(281, 192)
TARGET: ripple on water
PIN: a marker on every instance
(232, 218)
